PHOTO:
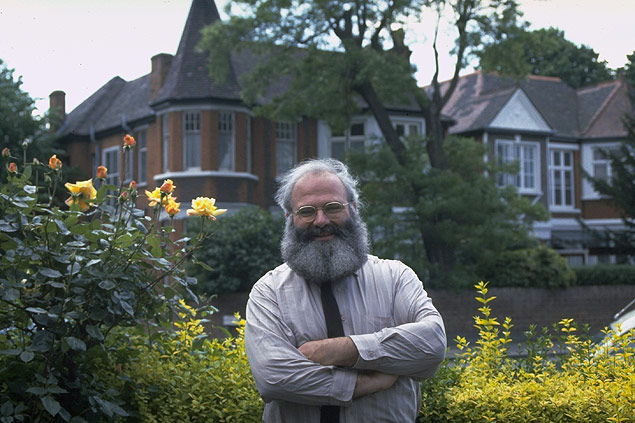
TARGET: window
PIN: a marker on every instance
(405, 129)
(248, 147)
(191, 140)
(353, 138)
(526, 155)
(561, 178)
(129, 161)
(165, 139)
(601, 162)
(225, 141)
(286, 146)
(142, 157)
(110, 159)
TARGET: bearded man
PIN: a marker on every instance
(335, 334)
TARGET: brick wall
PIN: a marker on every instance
(593, 305)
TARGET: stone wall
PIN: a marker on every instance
(592, 305)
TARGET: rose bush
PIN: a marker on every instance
(71, 276)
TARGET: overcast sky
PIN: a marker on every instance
(79, 45)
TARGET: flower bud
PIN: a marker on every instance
(55, 163)
(129, 141)
(5, 152)
(102, 172)
(13, 168)
(167, 187)
(133, 184)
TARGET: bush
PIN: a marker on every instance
(185, 377)
(69, 278)
(539, 267)
(605, 274)
(244, 248)
(563, 377)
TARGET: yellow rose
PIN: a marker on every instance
(204, 206)
(81, 192)
(157, 197)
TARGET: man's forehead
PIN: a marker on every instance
(319, 184)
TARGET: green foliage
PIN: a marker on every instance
(185, 377)
(538, 267)
(605, 274)
(68, 279)
(563, 377)
(628, 72)
(243, 248)
(544, 52)
(461, 205)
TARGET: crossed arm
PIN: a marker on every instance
(343, 352)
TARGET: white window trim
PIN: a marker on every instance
(111, 172)
(183, 137)
(232, 147)
(537, 190)
(588, 192)
(139, 131)
(347, 138)
(552, 191)
(291, 141)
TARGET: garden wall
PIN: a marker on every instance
(592, 305)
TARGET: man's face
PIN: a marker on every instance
(327, 248)
(316, 191)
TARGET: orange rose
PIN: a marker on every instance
(55, 163)
(172, 208)
(102, 172)
(128, 141)
(167, 187)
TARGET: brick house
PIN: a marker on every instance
(202, 136)
(553, 131)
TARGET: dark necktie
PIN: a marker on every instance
(331, 413)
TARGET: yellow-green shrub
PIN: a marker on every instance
(185, 377)
(580, 384)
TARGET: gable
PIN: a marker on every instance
(519, 113)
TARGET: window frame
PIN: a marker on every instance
(348, 139)
(286, 133)
(142, 156)
(503, 179)
(561, 169)
(112, 178)
(192, 135)
(227, 133)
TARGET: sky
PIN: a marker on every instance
(79, 45)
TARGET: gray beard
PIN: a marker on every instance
(322, 261)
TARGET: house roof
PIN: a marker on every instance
(188, 77)
(594, 111)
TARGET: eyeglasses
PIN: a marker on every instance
(331, 209)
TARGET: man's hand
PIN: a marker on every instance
(331, 351)
(371, 382)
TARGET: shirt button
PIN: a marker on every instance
(343, 319)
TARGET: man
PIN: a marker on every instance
(335, 334)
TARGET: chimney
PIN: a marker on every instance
(160, 67)
(57, 109)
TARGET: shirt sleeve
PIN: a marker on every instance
(416, 346)
(280, 370)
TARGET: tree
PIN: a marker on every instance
(461, 206)
(544, 52)
(242, 249)
(24, 134)
(369, 59)
(620, 191)
(628, 71)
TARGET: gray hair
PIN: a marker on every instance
(316, 167)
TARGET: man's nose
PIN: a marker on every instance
(321, 219)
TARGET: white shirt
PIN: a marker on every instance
(384, 310)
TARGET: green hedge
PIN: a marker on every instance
(605, 274)
(539, 267)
